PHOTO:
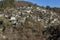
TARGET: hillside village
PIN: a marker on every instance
(26, 23)
(19, 15)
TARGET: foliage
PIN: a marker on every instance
(55, 9)
(48, 7)
(53, 32)
(6, 3)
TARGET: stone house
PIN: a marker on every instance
(13, 20)
(1, 15)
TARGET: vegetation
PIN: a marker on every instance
(53, 32)
(6, 3)
(55, 9)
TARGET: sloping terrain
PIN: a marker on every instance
(27, 21)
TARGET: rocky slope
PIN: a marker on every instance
(26, 22)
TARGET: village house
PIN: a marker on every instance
(28, 11)
(23, 19)
(54, 20)
(6, 16)
(38, 8)
(39, 19)
(44, 11)
(13, 20)
(29, 8)
(1, 15)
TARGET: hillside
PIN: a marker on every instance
(27, 21)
